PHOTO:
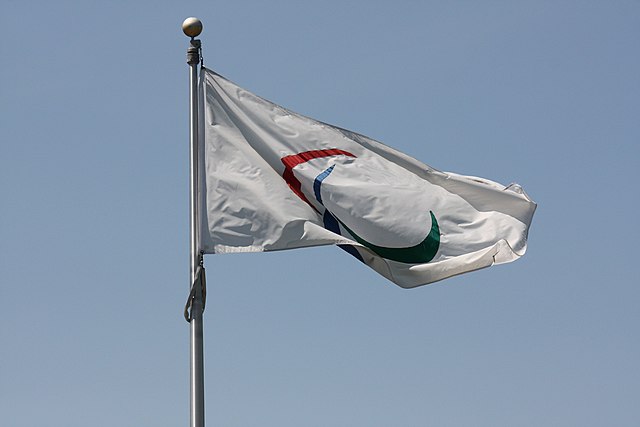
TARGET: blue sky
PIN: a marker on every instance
(94, 216)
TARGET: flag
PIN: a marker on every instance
(272, 179)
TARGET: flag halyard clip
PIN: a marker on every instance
(199, 285)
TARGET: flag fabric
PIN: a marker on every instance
(272, 179)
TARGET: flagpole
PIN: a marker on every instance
(192, 27)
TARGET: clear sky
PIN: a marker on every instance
(94, 216)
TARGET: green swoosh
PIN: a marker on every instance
(423, 252)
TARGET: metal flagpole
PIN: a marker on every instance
(192, 27)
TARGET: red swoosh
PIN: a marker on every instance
(294, 160)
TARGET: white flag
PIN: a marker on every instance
(272, 179)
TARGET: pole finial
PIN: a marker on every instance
(192, 27)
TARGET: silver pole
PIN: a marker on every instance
(192, 28)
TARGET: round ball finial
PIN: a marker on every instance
(192, 27)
